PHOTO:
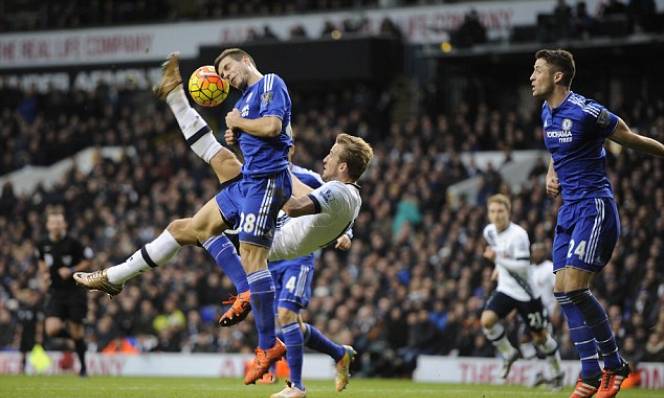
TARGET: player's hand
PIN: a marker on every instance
(65, 273)
(494, 274)
(229, 137)
(232, 118)
(552, 186)
(489, 254)
(343, 242)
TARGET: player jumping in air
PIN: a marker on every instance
(261, 118)
(588, 227)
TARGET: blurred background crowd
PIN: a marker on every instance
(414, 281)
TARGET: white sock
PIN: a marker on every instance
(197, 133)
(158, 252)
(550, 349)
(528, 350)
(499, 339)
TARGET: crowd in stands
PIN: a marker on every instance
(25, 15)
(414, 281)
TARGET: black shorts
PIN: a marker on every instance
(67, 306)
(532, 312)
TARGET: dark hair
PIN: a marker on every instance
(562, 61)
(235, 53)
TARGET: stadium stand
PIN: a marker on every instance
(415, 261)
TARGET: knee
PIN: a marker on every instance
(286, 316)
(52, 328)
(488, 319)
(179, 228)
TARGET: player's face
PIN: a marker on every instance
(331, 163)
(541, 80)
(234, 71)
(498, 215)
(56, 225)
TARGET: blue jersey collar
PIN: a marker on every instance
(561, 104)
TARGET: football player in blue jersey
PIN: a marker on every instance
(587, 229)
(261, 122)
(293, 279)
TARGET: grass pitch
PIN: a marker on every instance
(163, 387)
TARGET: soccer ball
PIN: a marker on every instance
(207, 88)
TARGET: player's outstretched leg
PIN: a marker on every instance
(225, 256)
(197, 133)
(343, 355)
(189, 231)
(111, 280)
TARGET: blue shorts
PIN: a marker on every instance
(251, 204)
(586, 233)
(292, 281)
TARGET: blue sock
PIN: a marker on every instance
(598, 323)
(294, 352)
(262, 305)
(224, 254)
(314, 339)
(581, 336)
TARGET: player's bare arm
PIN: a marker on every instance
(264, 127)
(297, 207)
(300, 189)
(552, 183)
(624, 136)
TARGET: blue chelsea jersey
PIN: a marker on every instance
(267, 97)
(574, 134)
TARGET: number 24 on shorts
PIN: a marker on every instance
(579, 251)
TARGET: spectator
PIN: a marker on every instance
(471, 32)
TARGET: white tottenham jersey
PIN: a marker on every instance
(338, 205)
(543, 281)
(512, 248)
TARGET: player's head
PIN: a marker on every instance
(236, 65)
(499, 208)
(55, 222)
(538, 252)
(348, 159)
(553, 68)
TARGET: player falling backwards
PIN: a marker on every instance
(588, 226)
(261, 117)
(509, 249)
(338, 203)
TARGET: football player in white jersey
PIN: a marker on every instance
(543, 277)
(509, 248)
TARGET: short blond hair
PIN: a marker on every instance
(501, 199)
(357, 154)
(235, 53)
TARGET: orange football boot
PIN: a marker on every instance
(240, 308)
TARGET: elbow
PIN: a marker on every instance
(274, 128)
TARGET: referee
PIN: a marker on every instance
(66, 304)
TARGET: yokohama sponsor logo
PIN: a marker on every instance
(558, 134)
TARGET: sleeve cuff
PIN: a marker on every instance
(316, 203)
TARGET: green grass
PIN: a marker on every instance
(158, 387)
